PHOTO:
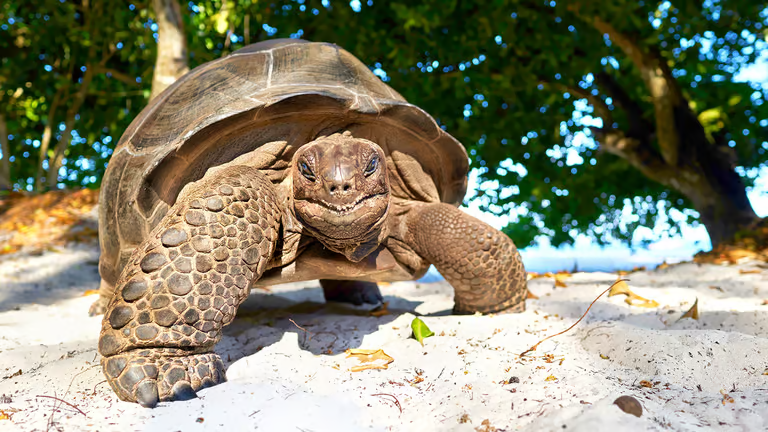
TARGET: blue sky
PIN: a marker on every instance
(587, 255)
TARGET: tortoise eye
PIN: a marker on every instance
(372, 165)
(306, 172)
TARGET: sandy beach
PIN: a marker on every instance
(709, 373)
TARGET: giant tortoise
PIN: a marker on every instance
(284, 161)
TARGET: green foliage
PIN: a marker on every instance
(506, 77)
(498, 75)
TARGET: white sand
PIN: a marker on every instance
(292, 384)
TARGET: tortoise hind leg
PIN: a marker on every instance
(184, 283)
(481, 263)
(106, 292)
(351, 291)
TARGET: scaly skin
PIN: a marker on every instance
(481, 263)
(184, 283)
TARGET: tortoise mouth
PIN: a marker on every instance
(343, 209)
(342, 221)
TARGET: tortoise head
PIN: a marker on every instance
(340, 187)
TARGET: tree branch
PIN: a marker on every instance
(660, 84)
(643, 157)
(116, 74)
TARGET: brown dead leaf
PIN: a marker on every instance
(90, 292)
(693, 312)
(486, 426)
(750, 271)
(646, 384)
(4, 415)
(560, 281)
(662, 266)
(621, 288)
(381, 310)
(531, 296)
(726, 397)
(550, 378)
(34, 222)
(369, 359)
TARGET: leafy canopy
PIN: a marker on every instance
(512, 80)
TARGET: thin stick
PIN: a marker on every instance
(302, 328)
(397, 402)
(533, 348)
(63, 401)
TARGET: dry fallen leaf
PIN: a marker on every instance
(604, 357)
(750, 271)
(90, 292)
(550, 378)
(381, 310)
(4, 415)
(559, 280)
(486, 426)
(662, 266)
(693, 312)
(646, 383)
(726, 397)
(369, 359)
(621, 288)
(531, 296)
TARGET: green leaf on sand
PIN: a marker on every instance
(420, 330)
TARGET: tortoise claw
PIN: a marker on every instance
(146, 394)
(182, 391)
(148, 376)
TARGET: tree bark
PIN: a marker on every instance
(5, 163)
(171, 62)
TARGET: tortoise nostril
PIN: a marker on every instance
(346, 187)
(333, 189)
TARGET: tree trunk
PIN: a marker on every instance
(705, 173)
(709, 179)
(5, 163)
(683, 158)
(171, 62)
(61, 146)
(46, 141)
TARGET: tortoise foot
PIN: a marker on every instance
(98, 307)
(502, 309)
(148, 376)
(349, 291)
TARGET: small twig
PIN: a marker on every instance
(533, 348)
(254, 413)
(302, 328)
(98, 384)
(63, 401)
(397, 402)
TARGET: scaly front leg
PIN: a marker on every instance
(481, 263)
(184, 283)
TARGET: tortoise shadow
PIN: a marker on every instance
(322, 327)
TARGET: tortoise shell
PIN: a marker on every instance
(279, 90)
